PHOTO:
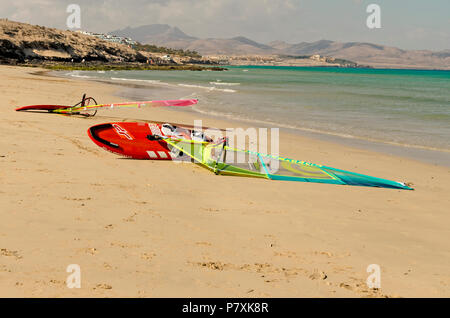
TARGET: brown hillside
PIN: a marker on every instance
(21, 41)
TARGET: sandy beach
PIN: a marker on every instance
(159, 229)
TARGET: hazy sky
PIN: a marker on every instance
(409, 24)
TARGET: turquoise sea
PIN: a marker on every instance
(401, 107)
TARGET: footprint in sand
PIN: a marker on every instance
(327, 254)
(360, 287)
(57, 282)
(77, 199)
(318, 275)
(107, 266)
(140, 202)
(131, 218)
(148, 256)
(124, 245)
(203, 243)
(260, 268)
(89, 250)
(287, 254)
(211, 210)
(102, 286)
(3, 268)
(8, 253)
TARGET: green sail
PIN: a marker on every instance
(222, 159)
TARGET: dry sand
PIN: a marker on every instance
(159, 229)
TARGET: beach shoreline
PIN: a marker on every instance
(400, 118)
(158, 229)
(430, 155)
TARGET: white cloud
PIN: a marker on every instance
(212, 15)
(261, 20)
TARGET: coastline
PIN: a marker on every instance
(363, 66)
(412, 152)
(137, 91)
(234, 98)
(155, 229)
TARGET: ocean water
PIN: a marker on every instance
(398, 107)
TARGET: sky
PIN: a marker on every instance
(407, 24)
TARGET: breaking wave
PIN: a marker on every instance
(209, 88)
(139, 80)
(224, 84)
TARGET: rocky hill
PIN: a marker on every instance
(370, 54)
(21, 42)
(168, 36)
(359, 52)
(155, 34)
(233, 46)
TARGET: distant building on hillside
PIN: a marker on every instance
(111, 38)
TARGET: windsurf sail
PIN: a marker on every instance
(222, 159)
(85, 108)
(158, 103)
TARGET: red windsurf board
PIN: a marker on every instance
(137, 139)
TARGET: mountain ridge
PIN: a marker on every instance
(372, 54)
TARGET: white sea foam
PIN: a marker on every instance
(80, 76)
(224, 83)
(209, 88)
(139, 80)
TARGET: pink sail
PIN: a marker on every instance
(160, 103)
(74, 109)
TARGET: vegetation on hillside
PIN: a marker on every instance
(160, 49)
(121, 67)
